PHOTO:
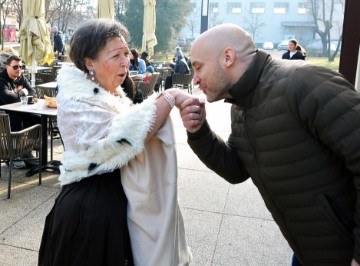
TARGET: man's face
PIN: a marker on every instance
(14, 69)
(209, 73)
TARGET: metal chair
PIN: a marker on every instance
(164, 73)
(183, 81)
(15, 144)
(54, 131)
(147, 88)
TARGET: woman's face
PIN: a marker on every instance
(111, 64)
(291, 47)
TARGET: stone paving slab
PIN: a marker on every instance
(225, 224)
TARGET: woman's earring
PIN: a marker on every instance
(92, 74)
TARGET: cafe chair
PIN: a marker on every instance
(15, 144)
(53, 129)
(164, 73)
(183, 81)
(147, 88)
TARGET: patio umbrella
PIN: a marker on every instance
(106, 9)
(149, 38)
(35, 44)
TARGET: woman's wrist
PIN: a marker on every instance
(169, 98)
(176, 93)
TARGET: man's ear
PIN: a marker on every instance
(229, 56)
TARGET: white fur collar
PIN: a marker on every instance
(126, 135)
(74, 85)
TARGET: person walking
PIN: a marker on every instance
(59, 46)
(295, 131)
(295, 51)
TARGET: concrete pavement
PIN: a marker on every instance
(225, 224)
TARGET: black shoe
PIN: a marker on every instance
(27, 155)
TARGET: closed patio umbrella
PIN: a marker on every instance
(149, 38)
(35, 44)
(106, 9)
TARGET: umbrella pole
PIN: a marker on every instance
(33, 68)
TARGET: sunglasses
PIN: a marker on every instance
(16, 67)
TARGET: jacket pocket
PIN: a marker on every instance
(336, 218)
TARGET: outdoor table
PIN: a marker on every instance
(44, 112)
(48, 89)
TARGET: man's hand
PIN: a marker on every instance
(18, 89)
(193, 114)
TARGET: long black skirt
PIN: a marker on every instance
(88, 224)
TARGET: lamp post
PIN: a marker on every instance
(204, 15)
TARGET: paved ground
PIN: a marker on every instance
(225, 224)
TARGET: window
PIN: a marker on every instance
(233, 8)
(281, 8)
(304, 8)
(214, 7)
(257, 8)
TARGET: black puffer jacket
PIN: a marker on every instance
(296, 133)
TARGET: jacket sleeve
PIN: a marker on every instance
(7, 95)
(217, 154)
(142, 66)
(330, 108)
(25, 83)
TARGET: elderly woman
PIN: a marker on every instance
(112, 201)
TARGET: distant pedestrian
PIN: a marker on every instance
(295, 51)
(59, 46)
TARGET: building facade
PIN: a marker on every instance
(266, 20)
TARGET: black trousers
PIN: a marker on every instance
(19, 121)
(168, 82)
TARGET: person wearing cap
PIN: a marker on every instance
(59, 46)
(148, 74)
(180, 66)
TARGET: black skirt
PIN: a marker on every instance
(88, 224)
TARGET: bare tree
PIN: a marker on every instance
(4, 10)
(192, 23)
(323, 15)
(213, 19)
(17, 8)
(65, 13)
(254, 25)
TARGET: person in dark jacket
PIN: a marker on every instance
(295, 133)
(59, 46)
(13, 85)
(295, 51)
(180, 66)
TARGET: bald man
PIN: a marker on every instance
(295, 132)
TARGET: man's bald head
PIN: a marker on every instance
(219, 38)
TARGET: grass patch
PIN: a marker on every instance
(323, 61)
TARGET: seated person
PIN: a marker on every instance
(13, 85)
(146, 57)
(137, 63)
(180, 66)
(148, 74)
